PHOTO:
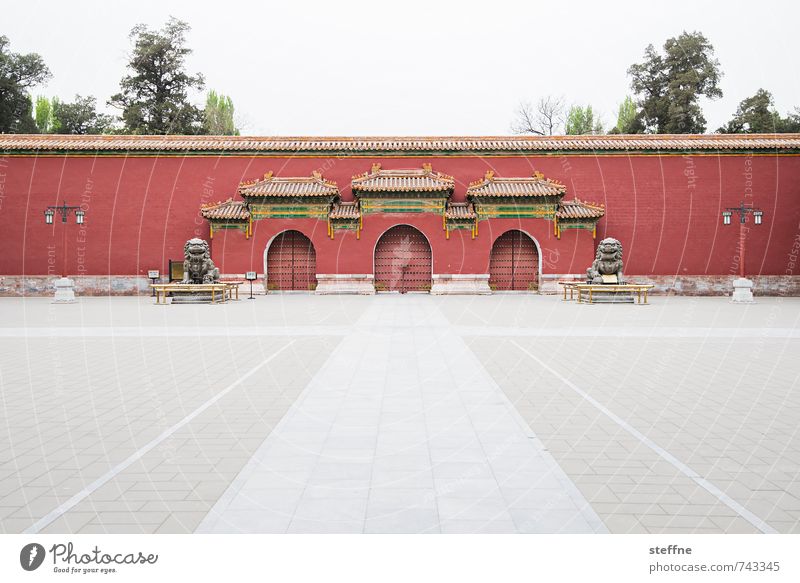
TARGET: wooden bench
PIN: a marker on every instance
(224, 290)
(582, 289)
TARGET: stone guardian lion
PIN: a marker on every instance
(608, 261)
(197, 264)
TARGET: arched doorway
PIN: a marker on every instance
(403, 261)
(514, 263)
(291, 262)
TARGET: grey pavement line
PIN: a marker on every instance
(88, 490)
(169, 332)
(661, 452)
(630, 332)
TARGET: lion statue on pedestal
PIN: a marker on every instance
(608, 262)
(197, 264)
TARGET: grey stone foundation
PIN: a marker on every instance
(461, 284)
(131, 285)
(345, 283)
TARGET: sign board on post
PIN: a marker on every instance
(250, 276)
(153, 274)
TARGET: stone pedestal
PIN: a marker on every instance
(65, 291)
(345, 283)
(461, 284)
(600, 297)
(742, 291)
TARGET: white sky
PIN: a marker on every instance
(411, 67)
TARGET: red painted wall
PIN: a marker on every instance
(140, 211)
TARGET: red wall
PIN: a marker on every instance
(140, 211)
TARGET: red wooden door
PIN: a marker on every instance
(291, 262)
(403, 261)
(514, 263)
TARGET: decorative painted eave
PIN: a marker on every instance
(348, 211)
(578, 210)
(536, 186)
(271, 186)
(460, 211)
(423, 179)
(229, 210)
(465, 145)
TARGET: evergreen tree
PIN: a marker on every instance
(154, 98)
(757, 115)
(670, 85)
(18, 74)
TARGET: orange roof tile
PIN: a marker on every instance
(289, 186)
(576, 209)
(594, 143)
(403, 180)
(229, 210)
(460, 210)
(536, 185)
(345, 210)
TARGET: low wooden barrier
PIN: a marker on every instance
(224, 290)
(585, 291)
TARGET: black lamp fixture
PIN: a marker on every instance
(742, 211)
(64, 210)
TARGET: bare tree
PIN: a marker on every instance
(545, 118)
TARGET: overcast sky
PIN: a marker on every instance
(411, 67)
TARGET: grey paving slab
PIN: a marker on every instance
(415, 407)
(436, 442)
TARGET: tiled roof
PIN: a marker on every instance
(229, 210)
(576, 209)
(188, 144)
(345, 210)
(289, 186)
(460, 210)
(536, 185)
(406, 180)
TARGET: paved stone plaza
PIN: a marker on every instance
(303, 413)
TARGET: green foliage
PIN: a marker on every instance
(219, 115)
(757, 115)
(154, 97)
(670, 84)
(43, 115)
(18, 73)
(628, 120)
(581, 120)
(80, 117)
(791, 123)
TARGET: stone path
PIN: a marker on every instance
(402, 430)
(303, 413)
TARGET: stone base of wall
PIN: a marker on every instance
(461, 284)
(719, 285)
(548, 282)
(688, 285)
(345, 283)
(86, 285)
